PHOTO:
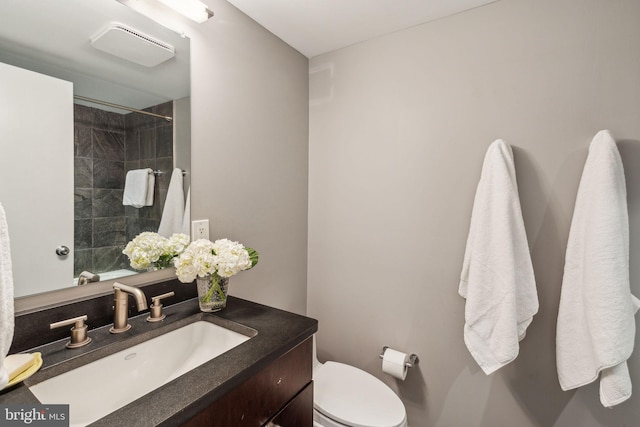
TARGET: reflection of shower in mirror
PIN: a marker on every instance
(100, 144)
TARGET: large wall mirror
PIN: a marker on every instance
(64, 162)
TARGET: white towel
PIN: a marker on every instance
(596, 326)
(173, 211)
(138, 188)
(497, 277)
(6, 297)
(186, 219)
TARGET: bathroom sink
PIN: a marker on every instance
(105, 385)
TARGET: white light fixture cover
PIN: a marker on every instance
(132, 45)
(192, 9)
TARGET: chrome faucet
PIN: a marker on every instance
(121, 306)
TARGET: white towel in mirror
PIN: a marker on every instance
(173, 211)
(138, 188)
(186, 219)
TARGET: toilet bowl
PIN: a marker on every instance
(345, 396)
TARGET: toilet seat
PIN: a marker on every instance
(355, 398)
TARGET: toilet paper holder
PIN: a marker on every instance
(413, 358)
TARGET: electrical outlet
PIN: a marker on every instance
(200, 229)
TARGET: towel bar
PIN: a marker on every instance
(159, 172)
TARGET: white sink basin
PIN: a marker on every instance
(99, 388)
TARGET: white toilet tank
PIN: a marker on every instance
(347, 396)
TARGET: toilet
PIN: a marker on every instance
(345, 396)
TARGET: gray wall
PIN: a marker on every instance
(398, 129)
(249, 151)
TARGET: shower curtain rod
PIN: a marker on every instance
(121, 107)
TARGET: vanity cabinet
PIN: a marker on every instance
(265, 381)
(281, 394)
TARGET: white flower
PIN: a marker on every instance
(203, 257)
(177, 243)
(196, 260)
(149, 247)
(232, 257)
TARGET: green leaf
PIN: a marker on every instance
(253, 255)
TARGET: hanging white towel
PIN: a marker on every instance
(497, 277)
(6, 297)
(138, 188)
(186, 219)
(596, 326)
(173, 211)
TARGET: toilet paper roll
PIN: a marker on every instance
(394, 363)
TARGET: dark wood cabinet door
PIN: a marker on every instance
(298, 413)
(255, 402)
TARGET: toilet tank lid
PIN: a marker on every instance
(354, 397)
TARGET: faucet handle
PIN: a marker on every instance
(79, 336)
(155, 311)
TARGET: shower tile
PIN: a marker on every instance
(104, 225)
(82, 233)
(154, 211)
(164, 141)
(108, 174)
(107, 203)
(83, 115)
(148, 163)
(82, 260)
(147, 143)
(131, 212)
(132, 165)
(109, 238)
(161, 197)
(136, 226)
(132, 227)
(149, 225)
(82, 172)
(132, 146)
(82, 203)
(108, 145)
(109, 121)
(82, 141)
(135, 121)
(109, 259)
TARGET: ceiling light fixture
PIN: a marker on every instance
(192, 9)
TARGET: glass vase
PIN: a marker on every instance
(212, 292)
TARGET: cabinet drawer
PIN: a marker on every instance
(298, 412)
(256, 400)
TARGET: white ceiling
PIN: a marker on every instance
(314, 27)
(53, 37)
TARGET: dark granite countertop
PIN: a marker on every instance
(177, 401)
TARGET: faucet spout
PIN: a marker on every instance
(141, 299)
(121, 306)
(87, 277)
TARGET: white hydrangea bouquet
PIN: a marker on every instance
(149, 251)
(211, 264)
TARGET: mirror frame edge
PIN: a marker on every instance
(37, 302)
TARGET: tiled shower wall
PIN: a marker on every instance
(107, 145)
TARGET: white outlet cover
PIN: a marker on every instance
(200, 229)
